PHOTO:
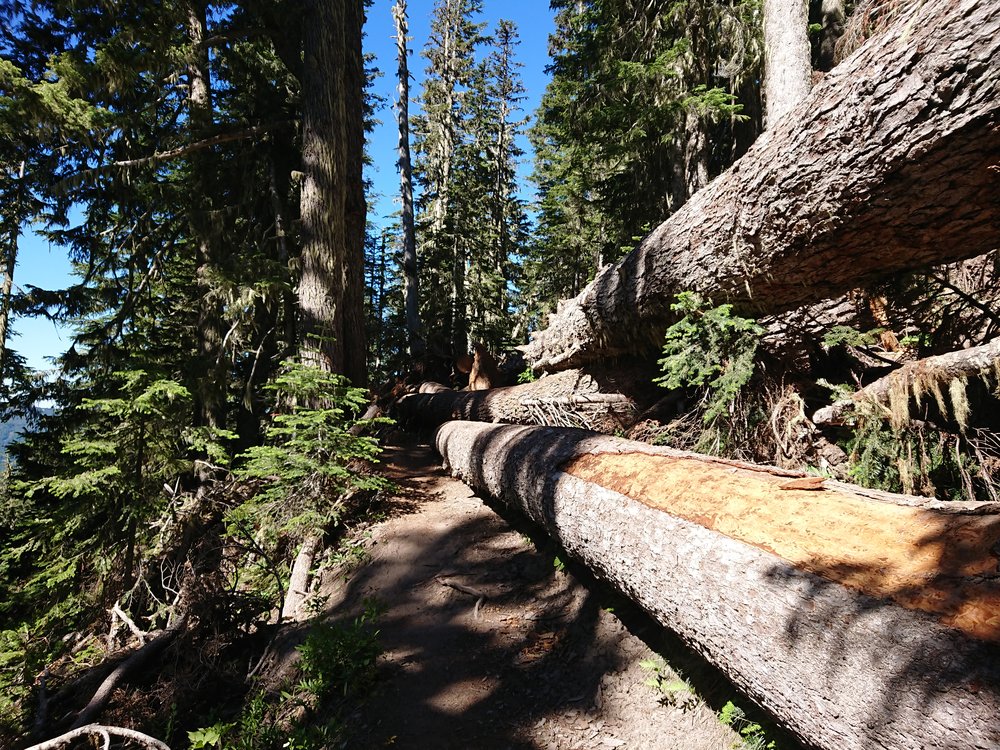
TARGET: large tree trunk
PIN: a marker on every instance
(862, 620)
(10, 263)
(210, 386)
(888, 165)
(332, 198)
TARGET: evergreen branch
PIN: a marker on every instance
(189, 148)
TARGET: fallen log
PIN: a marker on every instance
(861, 619)
(596, 399)
(912, 380)
(891, 163)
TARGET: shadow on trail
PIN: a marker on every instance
(462, 670)
(483, 637)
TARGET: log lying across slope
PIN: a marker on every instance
(862, 620)
(890, 164)
(595, 399)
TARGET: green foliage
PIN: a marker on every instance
(336, 668)
(559, 565)
(753, 735)
(713, 103)
(528, 376)
(673, 690)
(340, 659)
(305, 465)
(914, 460)
(208, 737)
(847, 336)
(709, 348)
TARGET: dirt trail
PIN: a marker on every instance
(488, 645)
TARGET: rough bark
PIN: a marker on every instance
(409, 264)
(594, 399)
(332, 198)
(922, 376)
(888, 165)
(210, 389)
(862, 620)
(787, 67)
(356, 208)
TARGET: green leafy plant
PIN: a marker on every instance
(210, 737)
(753, 735)
(559, 565)
(527, 376)
(710, 348)
(336, 667)
(673, 690)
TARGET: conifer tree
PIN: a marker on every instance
(648, 101)
(450, 53)
(411, 283)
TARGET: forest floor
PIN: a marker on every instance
(489, 641)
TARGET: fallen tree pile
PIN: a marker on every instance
(861, 619)
(594, 399)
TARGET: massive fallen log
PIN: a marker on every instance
(891, 163)
(862, 620)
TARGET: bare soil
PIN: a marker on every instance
(490, 643)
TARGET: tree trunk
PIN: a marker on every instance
(595, 400)
(332, 199)
(410, 274)
(210, 387)
(298, 580)
(862, 620)
(787, 67)
(10, 263)
(847, 189)
(352, 63)
(831, 14)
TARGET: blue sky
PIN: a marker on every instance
(47, 266)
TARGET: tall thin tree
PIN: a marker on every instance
(410, 277)
(787, 65)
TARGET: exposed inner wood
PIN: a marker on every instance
(935, 562)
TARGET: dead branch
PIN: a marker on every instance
(117, 611)
(915, 378)
(461, 588)
(105, 732)
(142, 655)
